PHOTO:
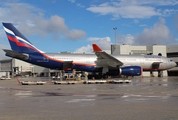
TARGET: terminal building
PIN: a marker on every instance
(11, 67)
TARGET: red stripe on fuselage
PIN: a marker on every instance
(83, 64)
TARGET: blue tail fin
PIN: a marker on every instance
(18, 42)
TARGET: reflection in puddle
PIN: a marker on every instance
(24, 93)
(80, 100)
(133, 97)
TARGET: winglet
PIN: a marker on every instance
(96, 48)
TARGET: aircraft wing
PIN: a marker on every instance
(104, 59)
(14, 54)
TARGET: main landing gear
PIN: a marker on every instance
(159, 74)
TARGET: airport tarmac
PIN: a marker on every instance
(144, 98)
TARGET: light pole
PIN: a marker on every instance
(115, 35)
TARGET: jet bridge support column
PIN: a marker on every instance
(60, 72)
(86, 76)
(58, 75)
(74, 72)
(151, 74)
(159, 74)
(104, 71)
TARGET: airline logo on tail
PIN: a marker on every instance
(18, 42)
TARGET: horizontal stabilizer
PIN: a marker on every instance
(14, 54)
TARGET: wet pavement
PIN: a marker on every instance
(144, 98)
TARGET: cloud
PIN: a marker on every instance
(150, 2)
(143, 25)
(104, 43)
(72, 1)
(175, 21)
(83, 49)
(2, 53)
(3, 45)
(76, 34)
(125, 39)
(31, 20)
(136, 21)
(80, 5)
(168, 12)
(158, 34)
(134, 9)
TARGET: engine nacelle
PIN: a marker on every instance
(131, 71)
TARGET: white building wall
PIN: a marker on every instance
(159, 49)
(6, 65)
(38, 69)
(146, 73)
(138, 47)
(107, 51)
(172, 48)
(125, 49)
(115, 49)
(23, 66)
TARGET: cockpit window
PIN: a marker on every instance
(171, 60)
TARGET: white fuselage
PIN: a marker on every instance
(144, 61)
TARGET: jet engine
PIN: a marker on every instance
(131, 70)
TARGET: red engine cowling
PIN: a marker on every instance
(131, 70)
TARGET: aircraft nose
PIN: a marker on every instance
(175, 64)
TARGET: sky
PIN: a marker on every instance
(74, 25)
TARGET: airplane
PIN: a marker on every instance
(100, 62)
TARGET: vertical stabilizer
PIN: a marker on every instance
(17, 40)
